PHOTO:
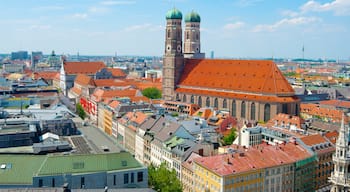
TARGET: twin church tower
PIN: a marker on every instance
(176, 51)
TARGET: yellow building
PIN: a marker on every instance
(107, 120)
(260, 168)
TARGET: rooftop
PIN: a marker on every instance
(239, 76)
(83, 67)
(261, 156)
(21, 168)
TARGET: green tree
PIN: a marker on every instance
(161, 179)
(152, 93)
(80, 111)
(228, 139)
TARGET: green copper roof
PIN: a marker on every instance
(193, 17)
(174, 14)
(20, 169)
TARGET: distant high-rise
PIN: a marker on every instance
(35, 58)
(212, 55)
(19, 55)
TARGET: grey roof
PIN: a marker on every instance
(164, 129)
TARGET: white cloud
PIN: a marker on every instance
(286, 22)
(289, 13)
(247, 3)
(98, 10)
(339, 7)
(110, 2)
(233, 26)
(80, 16)
(39, 27)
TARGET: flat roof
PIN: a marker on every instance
(20, 169)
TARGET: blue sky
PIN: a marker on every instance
(230, 28)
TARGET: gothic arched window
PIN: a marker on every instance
(234, 109)
(243, 109)
(252, 112)
(267, 108)
(216, 104)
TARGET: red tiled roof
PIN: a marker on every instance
(336, 103)
(286, 119)
(110, 83)
(311, 140)
(261, 156)
(238, 96)
(315, 109)
(101, 94)
(114, 104)
(45, 74)
(332, 136)
(76, 90)
(117, 72)
(247, 76)
(83, 67)
(84, 80)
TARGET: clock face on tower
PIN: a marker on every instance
(168, 48)
(178, 48)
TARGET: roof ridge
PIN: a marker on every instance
(42, 165)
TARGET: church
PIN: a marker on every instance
(248, 89)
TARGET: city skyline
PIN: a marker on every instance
(238, 29)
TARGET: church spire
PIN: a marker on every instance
(340, 177)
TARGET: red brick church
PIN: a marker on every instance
(248, 89)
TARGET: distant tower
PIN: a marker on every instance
(340, 177)
(173, 60)
(192, 44)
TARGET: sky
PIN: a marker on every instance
(229, 28)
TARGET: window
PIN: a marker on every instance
(252, 112)
(40, 182)
(168, 33)
(207, 102)
(224, 104)
(53, 182)
(200, 101)
(267, 112)
(192, 99)
(82, 182)
(184, 98)
(285, 108)
(243, 109)
(187, 35)
(132, 178)
(216, 103)
(233, 109)
(177, 97)
(114, 179)
(126, 178)
(139, 176)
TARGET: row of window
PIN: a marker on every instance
(132, 177)
(267, 107)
